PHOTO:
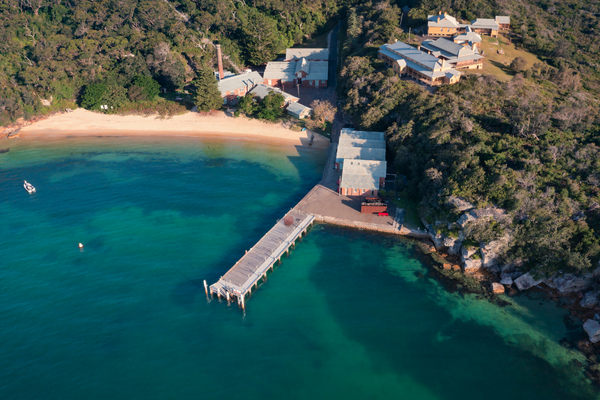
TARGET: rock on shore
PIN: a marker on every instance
(527, 281)
(593, 330)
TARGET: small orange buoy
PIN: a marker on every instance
(80, 246)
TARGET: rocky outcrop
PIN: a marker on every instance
(459, 204)
(570, 283)
(506, 279)
(593, 330)
(590, 300)
(483, 213)
(527, 281)
(441, 241)
(497, 288)
(467, 252)
(472, 266)
(492, 251)
(454, 245)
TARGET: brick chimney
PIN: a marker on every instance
(220, 61)
(440, 12)
(438, 20)
(473, 46)
(443, 63)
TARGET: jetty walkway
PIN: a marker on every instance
(253, 266)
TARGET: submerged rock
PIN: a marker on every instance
(590, 300)
(497, 288)
(526, 281)
(593, 330)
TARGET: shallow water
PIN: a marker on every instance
(348, 315)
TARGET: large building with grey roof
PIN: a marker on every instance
(305, 67)
(292, 73)
(361, 157)
(409, 61)
(359, 145)
(458, 56)
(234, 87)
(363, 178)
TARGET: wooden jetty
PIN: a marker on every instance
(245, 274)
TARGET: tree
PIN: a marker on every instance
(323, 111)
(261, 38)
(150, 88)
(271, 107)
(114, 97)
(92, 96)
(247, 105)
(208, 97)
(518, 64)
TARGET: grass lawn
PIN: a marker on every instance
(497, 64)
(411, 212)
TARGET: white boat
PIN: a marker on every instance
(29, 187)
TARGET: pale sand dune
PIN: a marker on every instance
(86, 123)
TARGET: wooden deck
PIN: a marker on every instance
(253, 266)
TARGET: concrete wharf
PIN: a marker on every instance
(253, 266)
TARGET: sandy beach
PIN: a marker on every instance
(82, 122)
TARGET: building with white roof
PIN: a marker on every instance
(485, 26)
(469, 39)
(306, 67)
(503, 22)
(417, 64)
(261, 91)
(362, 177)
(291, 73)
(298, 110)
(458, 56)
(442, 25)
(359, 145)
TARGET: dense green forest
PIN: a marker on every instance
(529, 146)
(52, 49)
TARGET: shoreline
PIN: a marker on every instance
(84, 123)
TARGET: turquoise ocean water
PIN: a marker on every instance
(348, 315)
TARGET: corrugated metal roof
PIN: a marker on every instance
(309, 54)
(503, 19)
(286, 70)
(412, 53)
(319, 70)
(261, 91)
(283, 70)
(452, 51)
(249, 80)
(446, 21)
(297, 108)
(302, 66)
(363, 174)
(468, 37)
(485, 23)
(359, 153)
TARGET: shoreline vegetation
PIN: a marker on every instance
(83, 123)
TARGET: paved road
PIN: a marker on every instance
(333, 56)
